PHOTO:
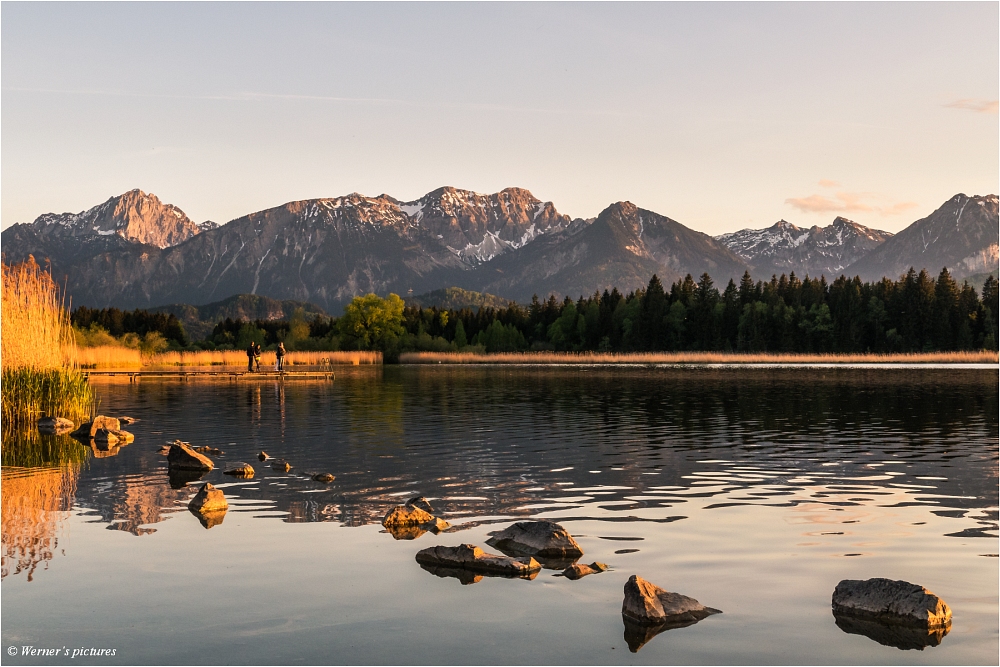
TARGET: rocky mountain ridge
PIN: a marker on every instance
(123, 253)
(783, 247)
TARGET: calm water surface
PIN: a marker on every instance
(754, 491)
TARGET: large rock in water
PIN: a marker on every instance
(647, 603)
(889, 601)
(471, 557)
(208, 499)
(183, 457)
(100, 422)
(401, 515)
(537, 538)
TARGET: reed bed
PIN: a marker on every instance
(124, 357)
(978, 357)
(109, 356)
(33, 505)
(38, 350)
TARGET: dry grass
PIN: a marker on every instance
(124, 357)
(981, 357)
(33, 506)
(36, 331)
(108, 356)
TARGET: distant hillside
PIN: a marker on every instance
(456, 298)
(200, 320)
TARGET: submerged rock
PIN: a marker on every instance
(205, 449)
(239, 469)
(54, 425)
(208, 499)
(436, 525)
(127, 420)
(114, 437)
(263, 456)
(903, 637)
(281, 466)
(324, 477)
(164, 449)
(183, 457)
(890, 601)
(648, 603)
(471, 557)
(401, 515)
(420, 503)
(536, 538)
(578, 570)
(100, 422)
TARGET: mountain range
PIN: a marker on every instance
(136, 251)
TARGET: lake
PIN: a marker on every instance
(754, 491)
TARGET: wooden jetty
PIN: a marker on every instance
(135, 376)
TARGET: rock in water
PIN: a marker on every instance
(324, 477)
(471, 557)
(208, 499)
(263, 456)
(647, 603)
(54, 425)
(401, 515)
(898, 602)
(127, 420)
(420, 503)
(577, 570)
(281, 466)
(536, 538)
(205, 449)
(183, 457)
(436, 525)
(105, 437)
(100, 422)
(239, 470)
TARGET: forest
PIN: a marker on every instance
(916, 313)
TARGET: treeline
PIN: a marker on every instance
(118, 323)
(916, 313)
(913, 314)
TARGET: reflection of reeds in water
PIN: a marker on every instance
(124, 357)
(27, 448)
(33, 505)
(37, 349)
(982, 357)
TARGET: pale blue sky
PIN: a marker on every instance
(719, 115)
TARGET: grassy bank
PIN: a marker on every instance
(983, 357)
(38, 350)
(124, 357)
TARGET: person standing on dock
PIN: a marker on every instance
(256, 355)
(250, 356)
(280, 356)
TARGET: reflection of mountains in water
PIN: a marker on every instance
(489, 444)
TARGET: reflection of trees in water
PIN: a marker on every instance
(34, 505)
(375, 409)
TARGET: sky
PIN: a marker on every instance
(719, 115)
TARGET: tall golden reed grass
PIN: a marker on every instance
(36, 331)
(124, 357)
(38, 349)
(33, 505)
(979, 357)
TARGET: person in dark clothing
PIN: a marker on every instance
(280, 354)
(250, 355)
(256, 355)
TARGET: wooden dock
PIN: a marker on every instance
(135, 376)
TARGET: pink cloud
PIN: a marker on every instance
(979, 106)
(827, 183)
(849, 202)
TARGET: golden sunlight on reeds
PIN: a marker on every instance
(124, 357)
(33, 505)
(36, 331)
(981, 357)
